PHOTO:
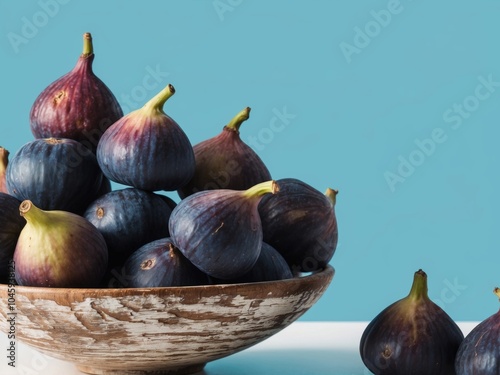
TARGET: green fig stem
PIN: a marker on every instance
(259, 190)
(237, 120)
(419, 286)
(4, 159)
(88, 48)
(156, 103)
(32, 214)
(331, 195)
(497, 292)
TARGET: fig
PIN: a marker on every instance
(270, 266)
(226, 162)
(128, 218)
(159, 264)
(104, 188)
(11, 224)
(169, 201)
(77, 105)
(412, 336)
(55, 174)
(147, 149)
(300, 223)
(58, 249)
(4, 161)
(219, 231)
(479, 352)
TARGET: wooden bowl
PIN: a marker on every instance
(173, 330)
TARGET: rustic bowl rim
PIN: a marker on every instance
(327, 272)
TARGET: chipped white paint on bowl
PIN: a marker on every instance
(174, 330)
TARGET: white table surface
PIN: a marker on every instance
(303, 348)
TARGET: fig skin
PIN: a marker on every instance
(128, 219)
(104, 188)
(77, 105)
(412, 336)
(55, 174)
(479, 353)
(169, 201)
(147, 149)
(11, 224)
(219, 231)
(4, 161)
(58, 249)
(226, 162)
(161, 264)
(300, 223)
(270, 266)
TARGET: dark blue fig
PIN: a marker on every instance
(11, 224)
(161, 264)
(128, 218)
(412, 336)
(4, 161)
(479, 353)
(147, 149)
(104, 188)
(77, 105)
(169, 201)
(55, 174)
(219, 231)
(270, 266)
(226, 162)
(300, 223)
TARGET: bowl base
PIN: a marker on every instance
(182, 370)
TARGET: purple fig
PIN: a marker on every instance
(479, 353)
(219, 231)
(147, 149)
(412, 336)
(270, 266)
(160, 264)
(300, 223)
(226, 162)
(55, 174)
(4, 161)
(58, 249)
(11, 224)
(77, 105)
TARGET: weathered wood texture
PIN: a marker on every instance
(157, 330)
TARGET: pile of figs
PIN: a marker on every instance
(63, 224)
(414, 336)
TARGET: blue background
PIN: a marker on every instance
(363, 84)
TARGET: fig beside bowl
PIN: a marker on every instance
(164, 330)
